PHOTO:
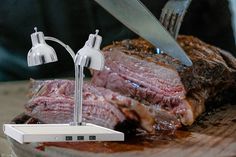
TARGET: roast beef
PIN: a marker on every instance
(176, 92)
(167, 93)
(52, 102)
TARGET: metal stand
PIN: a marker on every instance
(79, 76)
(89, 56)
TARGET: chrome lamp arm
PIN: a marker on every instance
(67, 47)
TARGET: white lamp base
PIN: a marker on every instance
(24, 133)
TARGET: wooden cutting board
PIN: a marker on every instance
(213, 135)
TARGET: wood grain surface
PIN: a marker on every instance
(214, 134)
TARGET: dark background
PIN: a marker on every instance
(73, 20)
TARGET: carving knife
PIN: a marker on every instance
(134, 15)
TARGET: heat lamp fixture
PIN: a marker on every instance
(90, 57)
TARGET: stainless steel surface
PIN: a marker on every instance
(41, 52)
(91, 57)
(139, 19)
(173, 14)
(79, 77)
(92, 50)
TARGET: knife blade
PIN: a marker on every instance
(134, 15)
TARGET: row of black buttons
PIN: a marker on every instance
(80, 138)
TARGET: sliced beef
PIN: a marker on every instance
(52, 101)
(172, 90)
(168, 93)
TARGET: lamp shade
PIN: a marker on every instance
(41, 52)
(90, 55)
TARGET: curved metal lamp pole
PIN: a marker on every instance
(67, 47)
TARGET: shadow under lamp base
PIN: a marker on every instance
(24, 133)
